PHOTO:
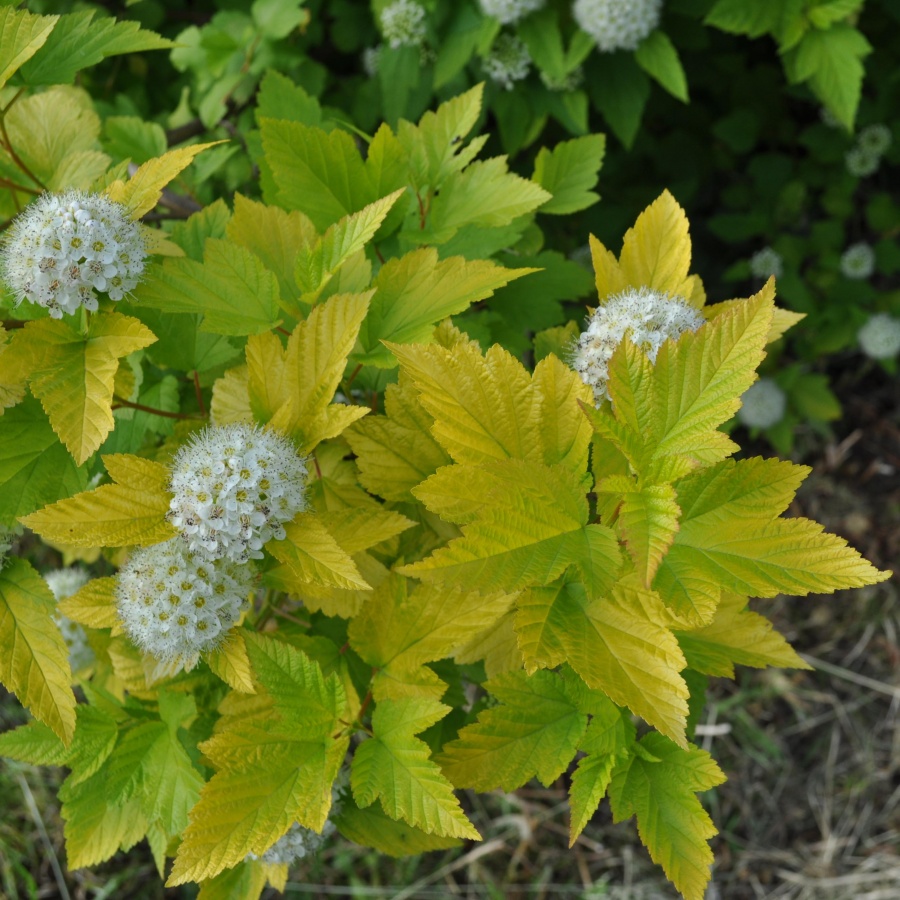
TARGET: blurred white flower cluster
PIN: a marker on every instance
(403, 24)
(509, 61)
(858, 261)
(370, 60)
(176, 605)
(864, 157)
(766, 262)
(509, 11)
(645, 316)
(879, 338)
(65, 248)
(63, 583)
(569, 82)
(617, 24)
(234, 486)
(762, 404)
(8, 537)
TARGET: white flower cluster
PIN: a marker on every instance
(509, 61)
(568, 82)
(176, 605)
(766, 262)
(858, 261)
(864, 158)
(879, 338)
(63, 583)
(617, 24)
(646, 316)
(299, 841)
(763, 404)
(509, 11)
(403, 24)
(370, 60)
(234, 487)
(65, 247)
(8, 537)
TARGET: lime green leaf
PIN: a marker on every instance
(317, 262)
(235, 293)
(620, 644)
(112, 515)
(671, 822)
(371, 827)
(486, 193)
(21, 36)
(395, 768)
(531, 527)
(78, 42)
(569, 173)
(417, 290)
(276, 237)
(35, 744)
(35, 469)
(142, 191)
(276, 19)
(94, 605)
(318, 172)
(229, 661)
(826, 12)
(306, 701)
(752, 19)
(401, 629)
(312, 555)
(657, 56)
(35, 662)
(245, 881)
(736, 635)
(656, 252)
(831, 61)
(534, 732)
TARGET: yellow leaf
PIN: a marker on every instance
(74, 374)
(21, 36)
(608, 275)
(231, 397)
(34, 663)
(94, 605)
(230, 662)
(156, 243)
(497, 646)
(112, 515)
(142, 191)
(782, 319)
(13, 374)
(656, 252)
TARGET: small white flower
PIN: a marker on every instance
(829, 118)
(235, 486)
(646, 316)
(8, 538)
(874, 139)
(299, 841)
(370, 58)
(766, 262)
(509, 11)
(569, 82)
(860, 163)
(763, 404)
(509, 61)
(403, 24)
(879, 338)
(65, 248)
(617, 24)
(858, 261)
(63, 583)
(176, 605)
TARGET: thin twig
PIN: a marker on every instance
(199, 394)
(119, 403)
(11, 150)
(847, 675)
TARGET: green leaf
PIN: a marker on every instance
(78, 42)
(752, 19)
(35, 469)
(21, 36)
(620, 644)
(658, 785)
(831, 60)
(569, 173)
(235, 293)
(371, 827)
(534, 732)
(620, 90)
(530, 525)
(130, 137)
(415, 291)
(35, 744)
(395, 768)
(34, 664)
(826, 12)
(657, 56)
(399, 630)
(736, 635)
(276, 19)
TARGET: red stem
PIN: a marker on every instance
(199, 393)
(149, 409)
